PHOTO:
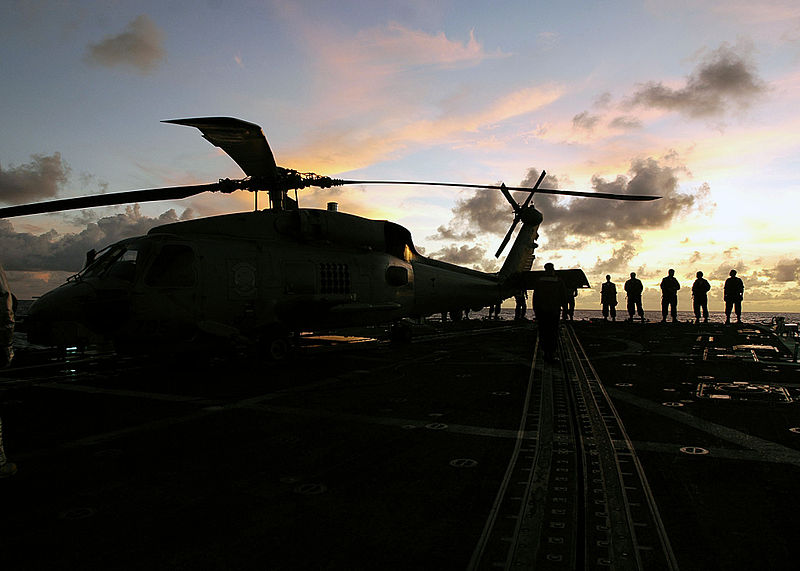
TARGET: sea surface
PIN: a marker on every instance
(760, 317)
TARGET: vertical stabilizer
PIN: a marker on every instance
(520, 257)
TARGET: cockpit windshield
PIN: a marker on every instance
(117, 261)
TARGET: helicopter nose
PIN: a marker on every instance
(56, 318)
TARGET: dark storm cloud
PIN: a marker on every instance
(620, 260)
(463, 255)
(589, 219)
(726, 77)
(139, 46)
(38, 179)
(570, 223)
(54, 252)
(484, 211)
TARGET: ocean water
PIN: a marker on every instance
(760, 317)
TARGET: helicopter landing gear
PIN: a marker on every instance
(400, 333)
(274, 345)
(277, 348)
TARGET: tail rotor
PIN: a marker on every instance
(519, 210)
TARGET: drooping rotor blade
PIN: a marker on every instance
(244, 142)
(606, 195)
(509, 198)
(507, 237)
(114, 198)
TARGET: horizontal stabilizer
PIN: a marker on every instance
(572, 278)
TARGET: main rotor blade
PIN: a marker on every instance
(606, 195)
(244, 142)
(114, 198)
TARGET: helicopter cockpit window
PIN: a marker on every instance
(398, 242)
(173, 267)
(118, 261)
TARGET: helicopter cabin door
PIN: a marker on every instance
(169, 294)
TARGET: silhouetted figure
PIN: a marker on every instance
(497, 310)
(6, 354)
(549, 298)
(700, 289)
(6, 321)
(569, 311)
(608, 297)
(733, 293)
(522, 305)
(634, 289)
(669, 296)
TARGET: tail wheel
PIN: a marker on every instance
(277, 348)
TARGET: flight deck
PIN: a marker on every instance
(647, 446)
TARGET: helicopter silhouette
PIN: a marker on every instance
(259, 278)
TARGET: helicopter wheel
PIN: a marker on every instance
(277, 348)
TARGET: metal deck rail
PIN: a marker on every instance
(574, 495)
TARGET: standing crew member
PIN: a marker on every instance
(608, 297)
(634, 289)
(669, 296)
(569, 311)
(522, 305)
(549, 299)
(700, 289)
(733, 293)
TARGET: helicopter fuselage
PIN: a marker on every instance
(257, 275)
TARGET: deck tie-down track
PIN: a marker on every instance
(574, 495)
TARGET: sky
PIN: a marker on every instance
(693, 100)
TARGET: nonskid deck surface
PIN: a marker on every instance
(461, 450)
(712, 413)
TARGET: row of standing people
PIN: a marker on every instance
(733, 293)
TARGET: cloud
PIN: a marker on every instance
(41, 178)
(574, 222)
(339, 149)
(725, 78)
(460, 255)
(620, 260)
(484, 211)
(53, 252)
(140, 46)
(585, 121)
(625, 123)
(722, 272)
(447, 233)
(397, 47)
(584, 220)
(785, 271)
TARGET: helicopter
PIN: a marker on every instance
(259, 278)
